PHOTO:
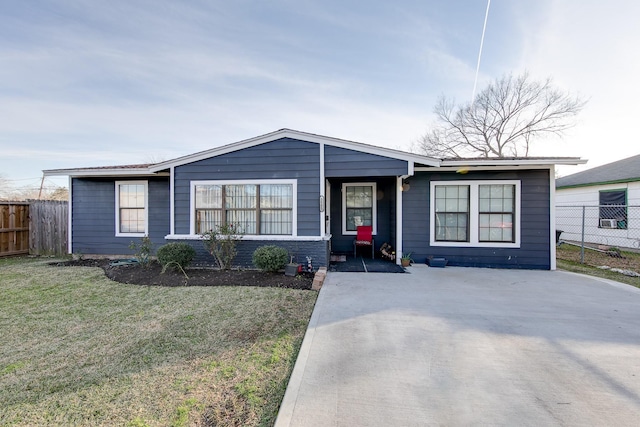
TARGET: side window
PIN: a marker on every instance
(131, 208)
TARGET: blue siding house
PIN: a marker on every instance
(308, 193)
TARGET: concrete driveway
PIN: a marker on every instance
(463, 346)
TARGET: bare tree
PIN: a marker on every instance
(503, 120)
(6, 188)
(9, 191)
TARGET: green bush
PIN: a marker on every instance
(175, 254)
(270, 257)
(221, 243)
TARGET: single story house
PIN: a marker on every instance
(608, 198)
(308, 193)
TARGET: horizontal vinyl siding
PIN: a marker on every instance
(534, 251)
(282, 159)
(93, 216)
(342, 162)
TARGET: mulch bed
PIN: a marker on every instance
(153, 276)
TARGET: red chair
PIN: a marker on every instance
(364, 237)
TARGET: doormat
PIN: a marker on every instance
(365, 265)
(338, 258)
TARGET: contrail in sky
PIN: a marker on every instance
(484, 28)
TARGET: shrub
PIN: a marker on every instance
(270, 257)
(221, 243)
(143, 250)
(176, 254)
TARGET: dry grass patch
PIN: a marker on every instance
(79, 349)
(568, 258)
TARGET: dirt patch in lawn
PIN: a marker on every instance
(152, 275)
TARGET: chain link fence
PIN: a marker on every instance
(603, 236)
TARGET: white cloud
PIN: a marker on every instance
(590, 48)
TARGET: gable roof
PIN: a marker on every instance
(303, 136)
(413, 159)
(625, 170)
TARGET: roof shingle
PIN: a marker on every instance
(623, 170)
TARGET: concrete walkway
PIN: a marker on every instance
(463, 346)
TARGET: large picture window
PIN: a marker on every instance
(259, 208)
(358, 206)
(475, 213)
(131, 208)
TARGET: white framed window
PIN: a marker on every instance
(359, 206)
(475, 213)
(257, 207)
(132, 213)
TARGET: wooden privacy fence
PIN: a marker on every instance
(38, 227)
(14, 228)
(48, 234)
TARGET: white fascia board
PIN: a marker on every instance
(116, 172)
(288, 133)
(514, 162)
(464, 169)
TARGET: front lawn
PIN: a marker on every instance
(79, 349)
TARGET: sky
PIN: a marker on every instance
(90, 83)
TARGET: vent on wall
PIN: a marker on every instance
(608, 223)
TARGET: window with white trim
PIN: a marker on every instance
(358, 206)
(131, 208)
(260, 208)
(475, 213)
(496, 212)
(452, 213)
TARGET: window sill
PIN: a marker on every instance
(475, 244)
(250, 237)
(131, 234)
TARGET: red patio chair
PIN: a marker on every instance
(364, 237)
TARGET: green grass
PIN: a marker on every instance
(590, 270)
(568, 258)
(78, 349)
